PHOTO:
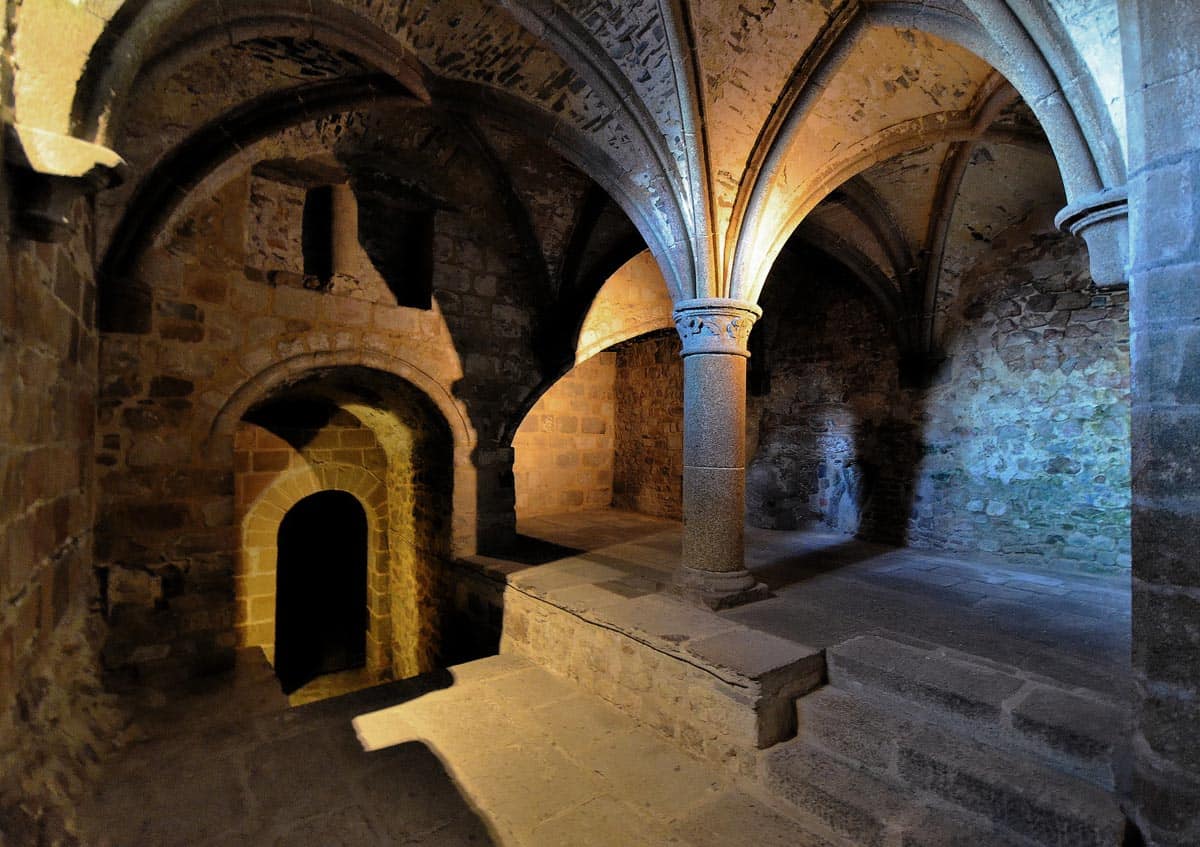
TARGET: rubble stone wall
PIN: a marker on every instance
(1020, 445)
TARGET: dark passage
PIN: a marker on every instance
(321, 589)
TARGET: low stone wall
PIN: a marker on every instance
(718, 689)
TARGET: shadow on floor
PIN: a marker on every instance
(234, 767)
(794, 568)
(528, 550)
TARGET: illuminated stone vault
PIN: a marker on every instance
(897, 249)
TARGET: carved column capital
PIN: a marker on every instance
(715, 325)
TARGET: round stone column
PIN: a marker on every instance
(714, 333)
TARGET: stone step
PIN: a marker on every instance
(1078, 732)
(865, 810)
(1026, 798)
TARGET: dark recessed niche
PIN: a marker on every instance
(414, 286)
(397, 236)
(316, 240)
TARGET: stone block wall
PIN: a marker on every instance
(648, 468)
(563, 450)
(221, 335)
(54, 719)
(271, 474)
(1018, 447)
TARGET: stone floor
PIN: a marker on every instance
(494, 752)
(1070, 625)
(501, 752)
(333, 685)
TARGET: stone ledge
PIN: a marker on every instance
(50, 171)
(720, 689)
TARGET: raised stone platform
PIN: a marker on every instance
(887, 695)
(718, 688)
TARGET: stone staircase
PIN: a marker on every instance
(914, 744)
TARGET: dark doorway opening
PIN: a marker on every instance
(321, 589)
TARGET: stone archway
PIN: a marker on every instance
(374, 437)
(321, 589)
(256, 578)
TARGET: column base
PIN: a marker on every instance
(718, 589)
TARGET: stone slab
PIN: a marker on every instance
(1076, 732)
(1077, 726)
(665, 618)
(755, 655)
(972, 691)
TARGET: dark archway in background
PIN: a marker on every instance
(321, 591)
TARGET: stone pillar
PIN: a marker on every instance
(1162, 87)
(712, 570)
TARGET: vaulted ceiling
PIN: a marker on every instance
(894, 135)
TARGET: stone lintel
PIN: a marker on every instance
(1102, 221)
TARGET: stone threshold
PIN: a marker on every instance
(718, 688)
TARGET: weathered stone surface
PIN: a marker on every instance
(648, 468)
(850, 802)
(975, 692)
(1020, 799)
(55, 720)
(840, 733)
(961, 464)
(1086, 729)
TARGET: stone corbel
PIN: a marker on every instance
(1102, 220)
(715, 325)
(49, 172)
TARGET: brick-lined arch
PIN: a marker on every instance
(255, 576)
(281, 365)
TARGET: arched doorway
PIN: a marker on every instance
(321, 589)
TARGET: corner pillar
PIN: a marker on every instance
(714, 333)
